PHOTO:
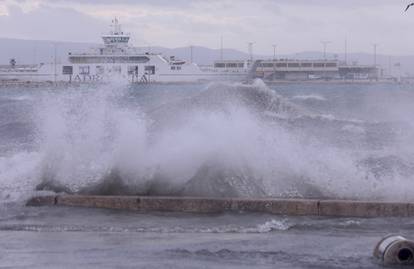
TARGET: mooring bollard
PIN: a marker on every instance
(395, 249)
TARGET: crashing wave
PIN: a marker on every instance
(221, 97)
(228, 140)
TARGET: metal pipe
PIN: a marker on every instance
(395, 249)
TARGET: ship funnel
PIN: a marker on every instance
(395, 250)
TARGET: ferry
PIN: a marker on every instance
(117, 60)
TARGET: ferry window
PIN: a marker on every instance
(67, 70)
(281, 64)
(99, 69)
(178, 67)
(138, 59)
(150, 69)
(112, 59)
(172, 67)
(319, 65)
(330, 64)
(84, 70)
(231, 65)
(240, 65)
(219, 65)
(293, 64)
(133, 70)
(267, 65)
(117, 69)
(306, 64)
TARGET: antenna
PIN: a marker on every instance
(325, 44)
(116, 26)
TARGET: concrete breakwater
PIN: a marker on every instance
(294, 207)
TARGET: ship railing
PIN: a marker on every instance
(19, 68)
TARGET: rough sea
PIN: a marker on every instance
(318, 140)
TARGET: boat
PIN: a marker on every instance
(117, 60)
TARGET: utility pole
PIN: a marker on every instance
(54, 61)
(221, 48)
(389, 66)
(250, 46)
(191, 54)
(35, 54)
(274, 60)
(346, 51)
(375, 45)
(325, 44)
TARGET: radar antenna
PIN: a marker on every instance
(116, 27)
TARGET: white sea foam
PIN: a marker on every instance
(20, 98)
(18, 175)
(313, 97)
(353, 129)
(274, 225)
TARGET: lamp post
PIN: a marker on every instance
(274, 51)
(221, 48)
(375, 45)
(325, 45)
(274, 60)
(55, 61)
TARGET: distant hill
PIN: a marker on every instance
(35, 51)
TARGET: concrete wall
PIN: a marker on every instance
(333, 208)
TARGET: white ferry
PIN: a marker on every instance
(117, 60)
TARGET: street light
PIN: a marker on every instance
(375, 45)
(325, 44)
(274, 60)
(274, 51)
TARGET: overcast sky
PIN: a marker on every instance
(295, 25)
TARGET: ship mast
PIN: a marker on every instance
(117, 27)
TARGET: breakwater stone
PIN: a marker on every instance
(294, 207)
(338, 208)
(42, 201)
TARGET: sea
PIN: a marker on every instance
(218, 139)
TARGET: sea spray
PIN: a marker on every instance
(224, 140)
(88, 138)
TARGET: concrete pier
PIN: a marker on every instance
(293, 207)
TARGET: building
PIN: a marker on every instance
(294, 70)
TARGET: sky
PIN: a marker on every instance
(294, 25)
